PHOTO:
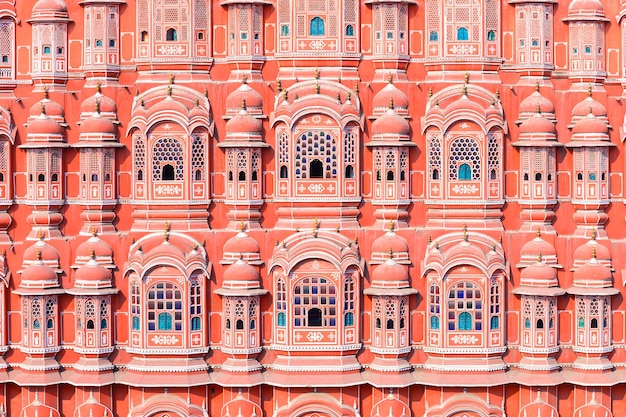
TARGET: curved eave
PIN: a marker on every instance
(241, 292)
(398, 143)
(542, 291)
(259, 2)
(390, 291)
(537, 143)
(242, 144)
(342, 263)
(38, 291)
(92, 291)
(621, 15)
(589, 143)
(592, 291)
(97, 144)
(41, 145)
(389, 1)
(585, 18)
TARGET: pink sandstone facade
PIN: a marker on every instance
(312, 208)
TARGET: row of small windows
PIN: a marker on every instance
(316, 28)
(171, 35)
(100, 43)
(47, 50)
(462, 34)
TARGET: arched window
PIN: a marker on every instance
(434, 322)
(465, 305)
(195, 323)
(581, 322)
(239, 324)
(390, 175)
(594, 323)
(349, 171)
(495, 323)
(538, 176)
(465, 321)
(136, 323)
(316, 26)
(314, 317)
(165, 321)
(46, 50)
(434, 36)
(283, 172)
(284, 30)
(90, 325)
(227, 325)
(165, 307)
(527, 323)
(171, 35)
(349, 30)
(462, 34)
(348, 319)
(242, 175)
(144, 36)
(540, 324)
(36, 324)
(316, 169)
(281, 319)
(198, 176)
(167, 173)
(465, 172)
(491, 35)
(103, 324)
(378, 323)
(435, 174)
(390, 324)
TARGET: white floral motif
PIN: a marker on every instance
(171, 50)
(165, 340)
(168, 189)
(316, 188)
(465, 339)
(314, 336)
(317, 44)
(465, 189)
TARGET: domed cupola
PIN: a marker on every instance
(390, 93)
(539, 279)
(390, 275)
(244, 127)
(534, 103)
(41, 251)
(241, 278)
(97, 127)
(589, 106)
(92, 275)
(538, 246)
(591, 249)
(586, 10)
(252, 98)
(390, 242)
(390, 126)
(37, 275)
(593, 278)
(537, 129)
(241, 246)
(99, 102)
(47, 10)
(100, 248)
(44, 129)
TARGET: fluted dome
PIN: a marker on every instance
(244, 124)
(100, 249)
(535, 101)
(540, 275)
(537, 125)
(241, 243)
(98, 125)
(535, 247)
(45, 126)
(390, 242)
(47, 106)
(240, 271)
(592, 249)
(252, 98)
(38, 275)
(391, 124)
(169, 105)
(390, 275)
(585, 8)
(589, 105)
(92, 275)
(390, 92)
(49, 9)
(590, 125)
(41, 251)
(593, 275)
(106, 104)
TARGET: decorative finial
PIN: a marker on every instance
(98, 87)
(589, 90)
(141, 103)
(390, 253)
(92, 254)
(356, 88)
(391, 225)
(279, 86)
(38, 254)
(497, 94)
(466, 78)
(539, 258)
(94, 231)
(169, 90)
(538, 232)
(430, 239)
(348, 96)
(465, 232)
(593, 253)
(40, 234)
(537, 86)
(243, 104)
(464, 90)
(97, 105)
(285, 95)
(45, 92)
(430, 92)
(42, 108)
(593, 233)
(390, 78)
(244, 79)
(171, 78)
(391, 103)
(538, 109)
(166, 231)
(317, 88)
(197, 102)
(317, 73)
(339, 97)
(242, 226)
